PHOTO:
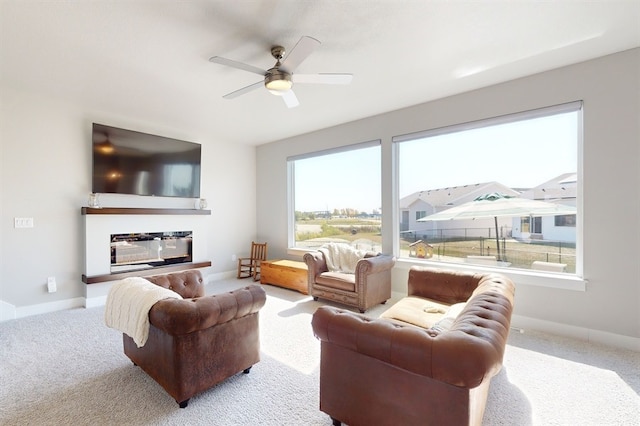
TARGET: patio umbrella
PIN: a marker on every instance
(499, 205)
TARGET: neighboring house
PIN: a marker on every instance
(424, 203)
(559, 190)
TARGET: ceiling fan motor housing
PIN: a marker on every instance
(277, 52)
(276, 80)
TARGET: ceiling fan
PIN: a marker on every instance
(280, 78)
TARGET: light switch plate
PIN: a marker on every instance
(23, 222)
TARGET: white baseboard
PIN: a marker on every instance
(92, 302)
(581, 333)
(209, 278)
(43, 308)
(7, 311)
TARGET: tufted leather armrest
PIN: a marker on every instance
(187, 284)
(374, 264)
(183, 316)
(316, 263)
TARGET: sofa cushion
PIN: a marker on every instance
(337, 280)
(417, 311)
(425, 313)
(455, 309)
(446, 322)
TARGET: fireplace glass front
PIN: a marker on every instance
(145, 250)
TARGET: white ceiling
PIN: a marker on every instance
(149, 59)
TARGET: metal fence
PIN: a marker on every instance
(464, 242)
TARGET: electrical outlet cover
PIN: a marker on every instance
(51, 284)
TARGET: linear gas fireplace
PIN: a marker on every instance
(146, 250)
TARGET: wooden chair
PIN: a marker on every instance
(250, 266)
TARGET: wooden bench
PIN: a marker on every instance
(285, 273)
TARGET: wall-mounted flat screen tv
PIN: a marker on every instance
(130, 162)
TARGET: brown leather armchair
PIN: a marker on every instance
(389, 372)
(368, 286)
(199, 341)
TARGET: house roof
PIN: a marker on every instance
(442, 198)
(560, 188)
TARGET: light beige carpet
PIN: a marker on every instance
(68, 368)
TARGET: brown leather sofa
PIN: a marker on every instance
(368, 286)
(388, 371)
(199, 341)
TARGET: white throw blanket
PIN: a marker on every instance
(128, 305)
(341, 257)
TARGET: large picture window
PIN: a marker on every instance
(501, 192)
(335, 197)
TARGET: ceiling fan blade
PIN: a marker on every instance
(236, 64)
(290, 99)
(244, 90)
(322, 78)
(305, 46)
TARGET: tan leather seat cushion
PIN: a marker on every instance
(417, 311)
(337, 280)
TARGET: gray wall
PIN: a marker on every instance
(610, 88)
(45, 172)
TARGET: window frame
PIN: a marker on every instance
(574, 281)
(291, 185)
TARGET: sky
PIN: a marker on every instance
(520, 154)
(348, 179)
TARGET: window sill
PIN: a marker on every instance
(297, 252)
(519, 276)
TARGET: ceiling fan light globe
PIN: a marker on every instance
(278, 82)
(279, 85)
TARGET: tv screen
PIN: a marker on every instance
(129, 162)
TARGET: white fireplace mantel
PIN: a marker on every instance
(101, 223)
